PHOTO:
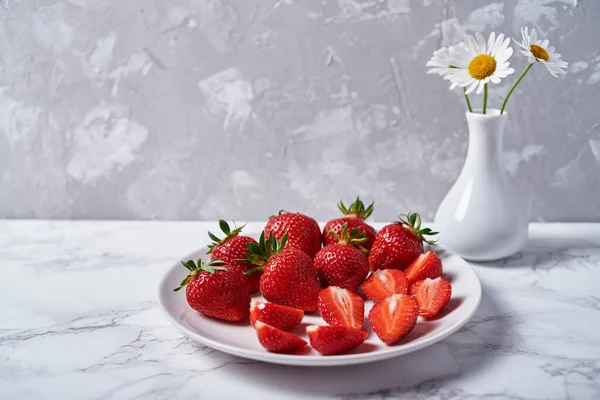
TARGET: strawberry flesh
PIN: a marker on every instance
(276, 340)
(432, 295)
(329, 340)
(221, 295)
(394, 317)
(342, 265)
(290, 279)
(395, 247)
(427, 265)
(278, 316)
(303, 231)
(341, 307)
(385, 282)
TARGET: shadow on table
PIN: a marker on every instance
(540, 253)
(463, 354)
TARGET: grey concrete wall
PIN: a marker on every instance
(198, 109)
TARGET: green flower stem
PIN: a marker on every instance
(514, 86)
(467, 99)
(485, 95)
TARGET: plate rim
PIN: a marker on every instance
(312, 361)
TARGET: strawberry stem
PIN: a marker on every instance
(413, 222)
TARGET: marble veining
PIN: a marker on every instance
(207, 109)
(78, 320)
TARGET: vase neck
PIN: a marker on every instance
(485, 139)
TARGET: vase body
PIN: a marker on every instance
(483, 217)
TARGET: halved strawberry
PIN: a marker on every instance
(278, 316)
(276, 340)
(432, 295)
(341, 307)
(394, 317)
(427, 265)
(385, 282)
(329, 340)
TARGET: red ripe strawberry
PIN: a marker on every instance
(216, 289)
(344, 263)
(276, 340)
(399, 243)
(303, 231)
(278, 316)
(432, 295)
(427, 265)
(289, 276)
(329, 340)
(385, 282)
(394, 317)
(341, 307)
(233, 248)
(355, 217)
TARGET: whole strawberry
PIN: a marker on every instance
(289, 276)
(355, 216)
(343, 263)
(399, 243)
(233, 248)
(303, 231)
(216, 289)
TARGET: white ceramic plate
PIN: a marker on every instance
(240, 338)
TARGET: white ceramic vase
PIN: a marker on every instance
(483, 217)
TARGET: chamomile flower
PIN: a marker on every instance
(475, 62)
(537, 50)
(440, 61)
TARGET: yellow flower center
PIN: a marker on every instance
(482, 66)
(539, 52)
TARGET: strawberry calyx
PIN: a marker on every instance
(356, 209)
(195, 268)
(355, 237)
(229, 233)
(265, 249)
(413, 222)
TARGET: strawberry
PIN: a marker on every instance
(355, 216)
(432, 295)
(427, 265)
(289, 276)
(385, 282)
(280, 317)
(329, 340)
(399, 243)
(276, 340)
(341, 307)
(394, 317)
(233, 248)
(343, 263)
(303, 231)
(216, 289)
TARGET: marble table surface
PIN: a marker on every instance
(79, 320)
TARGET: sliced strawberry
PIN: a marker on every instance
(432, 295)
(427, 265)
(385, 282)
(329, 340)
(341, 307)
(278, 316)
(276, 340)
(394, 317)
